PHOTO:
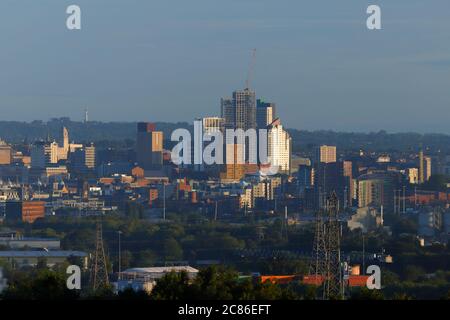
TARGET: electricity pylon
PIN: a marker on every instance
(317, 263)
(333, 277)
(325, 264)
(99, 271)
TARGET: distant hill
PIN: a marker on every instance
(17, 132)
(375, 141)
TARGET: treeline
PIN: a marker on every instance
(18, 132)
(375, 141)
(212, 283)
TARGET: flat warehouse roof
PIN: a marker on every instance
(49, 254)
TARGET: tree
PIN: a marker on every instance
(41, 263)
(126, 259)
(173, 286)
(413, 273)
(145, 258)
(46, 285)
(215, 283)
(366, 294)
(172, 250)
(134, 210)
(130, 294)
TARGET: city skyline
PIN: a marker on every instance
(246, 151)
(323, 68)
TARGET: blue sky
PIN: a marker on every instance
(172, 60)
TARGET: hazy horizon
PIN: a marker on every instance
(172, 61)
(192, 123)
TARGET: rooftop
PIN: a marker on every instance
(162, 269)
(44, 254)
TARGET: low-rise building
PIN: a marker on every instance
(144, 279)
(27, 211)
(31, 258)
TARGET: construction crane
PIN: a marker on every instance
(251, 69)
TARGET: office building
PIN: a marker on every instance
(421, 168)
(265, 114)
(89, 157)
(376, 190)
(279, 147)
(43, 154)
(412, 175)
(228, 112)
(430, 222)
(149, 146)
(305, 177)
(349, 188)
(427, 168)
(326, 154)
(5, 153)
(212, 125)
(83, 160)
(234, 168)
(26, 211)
(51, 153)
(240, 111)
(328, 178)
(424, 167)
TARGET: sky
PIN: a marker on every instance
(172, 60)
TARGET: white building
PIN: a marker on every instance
(413, 175)
(145, 279)
(279, 147)
(213, 124)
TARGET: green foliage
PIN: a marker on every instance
(134, 210)
(104, 293)
(173, 286)
(42, 285)
(217, 283)
(172, 250)
(366, 294)
(145, 258)
(130, 294)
